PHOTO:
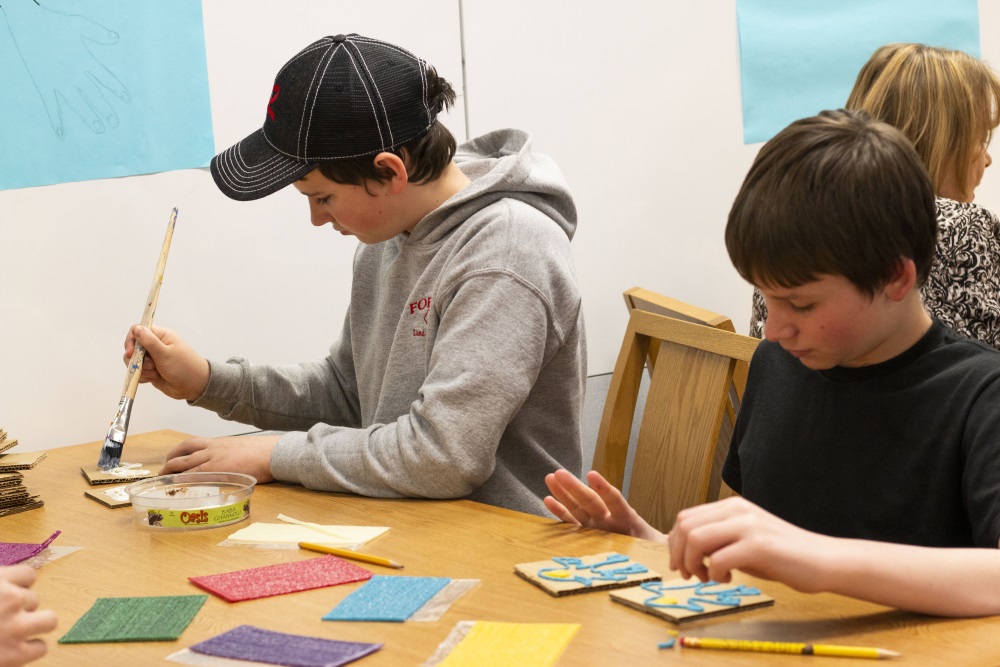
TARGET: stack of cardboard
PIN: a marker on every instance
(14, 497)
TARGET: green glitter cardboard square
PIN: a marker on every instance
(143, 619)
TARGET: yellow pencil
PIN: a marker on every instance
(353, 555)
(787, 647)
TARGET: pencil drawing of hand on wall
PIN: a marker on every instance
(56, 48)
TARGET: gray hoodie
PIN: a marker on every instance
(461, 367)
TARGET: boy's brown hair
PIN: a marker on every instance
(840, 194)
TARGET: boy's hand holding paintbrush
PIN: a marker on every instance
(161, 357)
(171, 365)
(176, 369)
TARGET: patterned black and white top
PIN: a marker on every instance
(963, 288)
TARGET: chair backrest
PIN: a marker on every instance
(644, 299)
(691, 380)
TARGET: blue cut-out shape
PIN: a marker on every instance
(727, 597)
(575, 566)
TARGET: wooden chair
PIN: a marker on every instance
(692, 369)
(644, 299)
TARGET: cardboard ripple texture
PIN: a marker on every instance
(14, 496)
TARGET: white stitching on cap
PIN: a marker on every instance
(422, 65)
(299, 142)
(231, 176)
(381, 138)
(239, 176)
(236, 172)
(398, 49)
(381, 102)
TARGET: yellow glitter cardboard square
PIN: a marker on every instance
(568, 575)
(684, 600)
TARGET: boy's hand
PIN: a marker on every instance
(171, 365)
(599, 506)
(20, 618)
(250, 455)
(711, 540)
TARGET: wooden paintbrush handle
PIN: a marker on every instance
(139, 354)
(161, 264)
(134, 371)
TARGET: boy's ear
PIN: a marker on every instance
(903, 281)
(395, 164)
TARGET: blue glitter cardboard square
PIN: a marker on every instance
(566, 575)
(683, 600)
(384, 598)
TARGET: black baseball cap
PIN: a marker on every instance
(340, 97)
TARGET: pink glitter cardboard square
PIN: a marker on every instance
(262, 582)
(12, 553)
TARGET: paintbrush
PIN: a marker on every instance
(111, 452)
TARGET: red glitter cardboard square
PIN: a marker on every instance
(262, 582)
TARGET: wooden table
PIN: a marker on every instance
(458, 539)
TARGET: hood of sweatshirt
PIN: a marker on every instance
(501, 165)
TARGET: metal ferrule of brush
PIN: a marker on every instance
(119, 426)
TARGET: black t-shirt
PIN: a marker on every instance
(905, 451)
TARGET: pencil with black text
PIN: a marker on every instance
(786, 647)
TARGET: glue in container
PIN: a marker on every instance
(191, 500)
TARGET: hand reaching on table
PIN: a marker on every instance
(20, 618)
(247, 454)
(599, 506)
(707, 541)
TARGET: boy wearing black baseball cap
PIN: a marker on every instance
(461, 365)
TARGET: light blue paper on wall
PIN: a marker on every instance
(799, 57)
(101, 88)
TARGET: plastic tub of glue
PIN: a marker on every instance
(191, 500)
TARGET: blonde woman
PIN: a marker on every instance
(947, 103)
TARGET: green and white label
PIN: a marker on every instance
(198, 518)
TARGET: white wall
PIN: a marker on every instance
(638, 101)
(641, 107)
(254, 278)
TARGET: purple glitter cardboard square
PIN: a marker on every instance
(565, 576)
(247, 642)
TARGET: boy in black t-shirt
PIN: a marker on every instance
(865, 450)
